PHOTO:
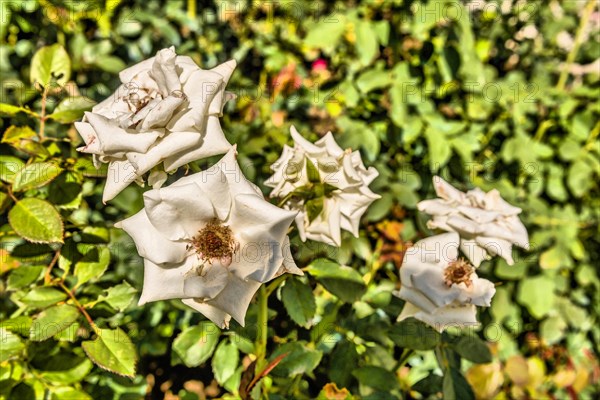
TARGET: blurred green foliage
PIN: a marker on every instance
(502, 95)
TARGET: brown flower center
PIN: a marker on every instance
(459, 271)
(214, 241)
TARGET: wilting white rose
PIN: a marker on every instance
(487, 224)
(325, 176)
(211, 239)
(439, 288)
(166, 110)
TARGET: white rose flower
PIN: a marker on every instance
(166, 110)
(439, 288)
(486, 223)
(327, 185)
(211, 239)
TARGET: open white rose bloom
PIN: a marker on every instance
(166, 110)
(439, 288)
(327, 185)
(211, 240)
(487, 224)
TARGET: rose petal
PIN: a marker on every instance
(172, 143)
(447, 191)
(497, 247)
(120, 174)
(178, 212)
(164, 283)
(213, 143)
(150, 243)
(261, 228)
(116, 139)
(216, 315)
(164, 72)
(474, 252)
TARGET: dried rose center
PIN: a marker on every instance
(214, 241)
(459, 271)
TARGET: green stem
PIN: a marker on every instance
(587, 12)
(261, 340)
(406, 355)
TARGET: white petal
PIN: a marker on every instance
(178, 212)
(150, 243)
(172, 143)
(88, 134)
(447, 191)
(436, 207)
(115, 139)
(353, 204)
(235, 298)
(164, 283)
(305, 144)
(160, 114)
(216, 315)
(497, 247)
(417, 298)
(326, 226)
(261, 228)
(464, 226)
(164, 72)
(479, 215)
(120, 174)
(213, 143)
(208, 283)
(474, 251)
(438, 250)
(329, 143)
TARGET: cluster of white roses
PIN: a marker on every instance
(211, 239)
(440, 288)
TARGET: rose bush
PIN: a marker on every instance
(166, 110)
(487, 224)
(211, 240)
(328, 186)
(440, 288)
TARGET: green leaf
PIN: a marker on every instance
(376, 377)
(23, 276)
(92, 265)
(50, 63)
(414, 334)
(86, 167)
(66, 370)
(11, 345)
(43, 297)
(373, 79)
(367, 46)
(119, 297)
(537, 294)
(472, 348)
(439, 148)
(71, 109)
(313, 172)
(314, 207)
(9, 167)
(113, 351)
(12, 110)
(196, 344)
(456, 387)
(299, 301)
(225, 361)
(36, 221)
(65, 191)
(52, 321)
(23, 138)
(332, 30)
(69, 393)
(299, 359)
(20, 324)
(344, 282)
(35, 175)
